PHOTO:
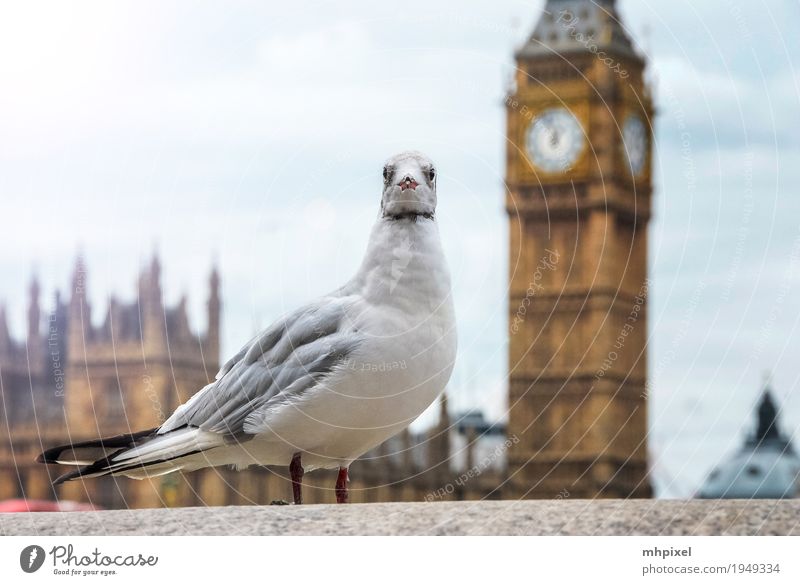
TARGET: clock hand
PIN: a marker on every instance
(554, 138)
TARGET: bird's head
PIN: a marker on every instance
(409, 187)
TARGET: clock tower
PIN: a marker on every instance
(579, 189)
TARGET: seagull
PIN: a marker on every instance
(325, 383)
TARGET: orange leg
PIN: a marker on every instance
(341, 486)
(296, 471)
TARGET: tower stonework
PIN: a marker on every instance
(579, 124)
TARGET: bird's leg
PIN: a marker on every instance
(296, 471)
(341, 486)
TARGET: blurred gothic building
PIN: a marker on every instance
(71, 380)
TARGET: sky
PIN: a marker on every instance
(252, 134)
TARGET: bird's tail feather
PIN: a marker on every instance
(137, 455)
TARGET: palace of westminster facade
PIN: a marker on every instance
(578, 198)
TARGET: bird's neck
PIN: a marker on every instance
(404, 263)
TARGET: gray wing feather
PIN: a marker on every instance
(234, 360)
(290, 357)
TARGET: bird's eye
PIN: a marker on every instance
(387, 173)
(432, 174)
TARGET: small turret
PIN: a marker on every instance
(5, 336)
(214, 307)
(34, 312)
(80, 329)
(439, 448)
(151, 307)
(35, 341)
(767, 418)
(767, 430)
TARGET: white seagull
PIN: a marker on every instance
(325, 383)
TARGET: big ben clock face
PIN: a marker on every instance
(634, 138)
(555, 140)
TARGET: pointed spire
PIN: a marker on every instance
(151, 310)
(444, 429)
(34, 312)
(79, 331)
(155, 270)
(35, 288)
(767, 433)
(5, 336)
(79, 278)
(407, 458)
(214, 280)
(767, 417)
(444, 415)
(214, 308)
(439, 442)
(149, 290)
(78, 304)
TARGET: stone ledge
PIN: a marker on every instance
(536, 517)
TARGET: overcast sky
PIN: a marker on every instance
(253, 133)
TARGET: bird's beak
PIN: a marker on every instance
(407, 183)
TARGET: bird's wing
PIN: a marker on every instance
(287, 359)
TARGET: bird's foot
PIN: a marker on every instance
(296, 471)
(342, 495)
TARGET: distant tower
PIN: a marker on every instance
(34, 312)
(35, 345)
(79, 314)
(5, 335)
(579, 124)
(214, 307)
(152, 309)
(439, 442)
